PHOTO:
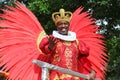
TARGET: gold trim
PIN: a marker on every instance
(56, 77)
(63, 76)
(68, 55)
(40, 37)
(62, 15)
(68, 76)
(67, 43)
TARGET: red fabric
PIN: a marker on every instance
(84, 49)
(69, 60)
(44, 46)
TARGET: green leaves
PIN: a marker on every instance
(40, 6)
(113, 45)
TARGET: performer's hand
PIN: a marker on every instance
(92, 75)
(52, 42)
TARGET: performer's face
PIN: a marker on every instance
(63, 27)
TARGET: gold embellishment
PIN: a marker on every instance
(56, 58)
(76, 43)
(67, 43)
(61, 15)
(68, 76)
(56, 77)
(63, 76)
(40, 37)
(68, 54)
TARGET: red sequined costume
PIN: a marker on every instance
(67, 54)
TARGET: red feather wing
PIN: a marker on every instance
(85, 28)
(18, 43)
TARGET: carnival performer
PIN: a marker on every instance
(75, 45)
(64, 49)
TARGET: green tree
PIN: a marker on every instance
(114, 68)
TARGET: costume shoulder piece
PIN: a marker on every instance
(86, 31)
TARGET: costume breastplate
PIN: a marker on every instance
(66, 54)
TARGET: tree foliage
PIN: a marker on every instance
(102, 10)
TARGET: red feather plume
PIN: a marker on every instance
(84, 26)
(18, 43)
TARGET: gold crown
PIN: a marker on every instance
(61, 15)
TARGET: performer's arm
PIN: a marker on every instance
(44, 46)
(84, 49)
(84, 53)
